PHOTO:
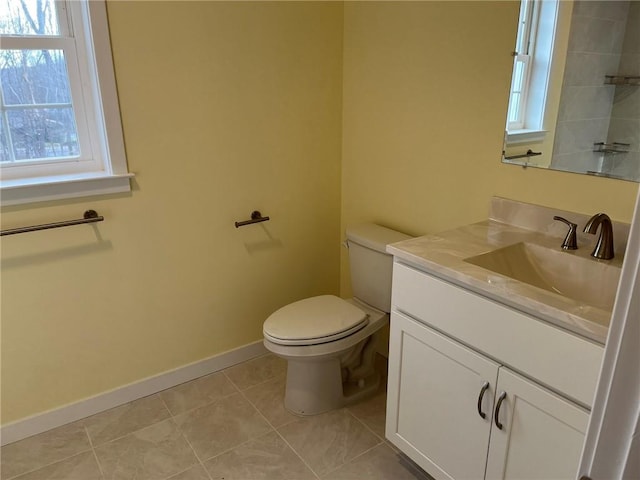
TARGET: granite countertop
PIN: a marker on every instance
(443, 254)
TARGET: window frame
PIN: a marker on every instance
(541, 37)
(90, 67)
(523, 55)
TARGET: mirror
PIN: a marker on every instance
(575, 97)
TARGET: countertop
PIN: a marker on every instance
(443, 254)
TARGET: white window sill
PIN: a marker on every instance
(41, 189)
(515, 137)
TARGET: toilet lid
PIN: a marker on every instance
(314, 320)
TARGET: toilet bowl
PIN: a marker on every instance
(330, 343)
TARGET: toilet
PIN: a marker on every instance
(330, 343)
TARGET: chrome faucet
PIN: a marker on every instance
(604, 245)
(570, 242)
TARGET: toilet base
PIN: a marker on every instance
(328, 376)
(317, 387)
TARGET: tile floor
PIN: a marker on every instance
(229, 425)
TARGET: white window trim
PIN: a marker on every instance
(523, 58)
(114, 176)
(525, 136)
(538, 84)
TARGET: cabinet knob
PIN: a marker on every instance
(485, 387)
(503, 395)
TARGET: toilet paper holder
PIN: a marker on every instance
(256, 217)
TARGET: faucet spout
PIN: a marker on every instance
(604, 245)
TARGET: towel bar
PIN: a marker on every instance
(90, 216)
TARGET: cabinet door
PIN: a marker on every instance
(432, 401)
(541, 436)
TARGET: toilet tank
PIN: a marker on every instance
(371, 267)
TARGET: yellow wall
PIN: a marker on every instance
(230, 107)
(424, 101)
(227, 108)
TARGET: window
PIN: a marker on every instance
(60, 125)
(531, 70)
(525, 42)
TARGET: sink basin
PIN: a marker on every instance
(585, 280)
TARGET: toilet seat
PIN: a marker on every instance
(314, 320)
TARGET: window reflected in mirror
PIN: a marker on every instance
(574, 103)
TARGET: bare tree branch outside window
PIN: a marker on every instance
(37, 116)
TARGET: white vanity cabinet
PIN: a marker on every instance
(452, 354)
(431, 401)
(541, 436)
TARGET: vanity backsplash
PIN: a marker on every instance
(540, 219)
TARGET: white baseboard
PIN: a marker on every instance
(42, 422)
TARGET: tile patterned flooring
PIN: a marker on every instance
(229, 425)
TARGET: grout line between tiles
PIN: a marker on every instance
(231, 449)
(238, 392)
(184, 436)
(211, 402)
(382, 440)
(130, 433)
(93, 450)
(268, 354)
(291, 420)
(56, 461)
(256, 409)
(298, 455)
(165, 405)
(196, 455)
(280, 435)
(125, 435)
(170, 417)
(224, 372)
(237, 387)
(365, 452)
(47, 465)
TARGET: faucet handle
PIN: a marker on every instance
(570, 242)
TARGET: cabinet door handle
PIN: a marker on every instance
(503, 395)
(485, 387)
